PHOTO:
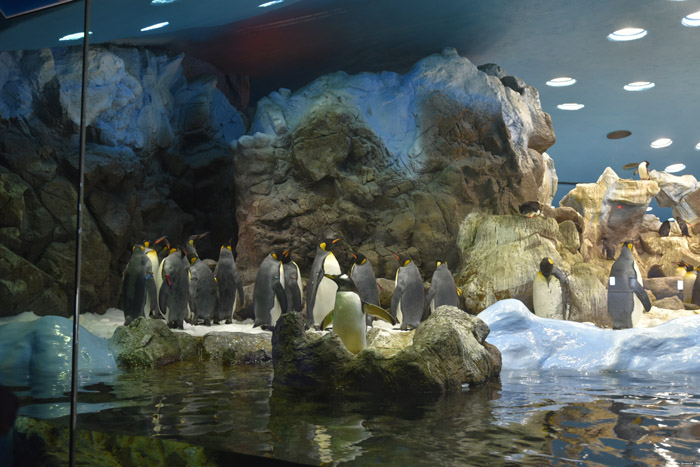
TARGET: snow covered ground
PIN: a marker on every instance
(528, 342)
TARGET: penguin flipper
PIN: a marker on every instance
(396, 299)
(281, 296)
(152, 294)
(565, 289)
(642, 296)
(296, 296)
(428, 299)
(378, 312)
(635, 172)
(327, 320)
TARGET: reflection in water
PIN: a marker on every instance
(527, 418)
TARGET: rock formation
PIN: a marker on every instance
(389, 162)
(157, 164)
(448, 350)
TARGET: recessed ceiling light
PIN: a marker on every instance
(161, 2)
(619, 134)
(74, 36)
(627, 34)
(692, 20)
(661, 143)
(673, 168)
(649, 208)
(570, 106)
(155, 26)
(267, 4)
(697, 147)
(639, 86)
(559, 82)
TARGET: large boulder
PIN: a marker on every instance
(156, 155)
(447, 351)
(389, 162)
(145, 343)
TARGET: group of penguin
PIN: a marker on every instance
(173, 283)
(348, 302)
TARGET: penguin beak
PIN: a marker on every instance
(354, 255)
(335, 241)
(332, 277)
(396, 256)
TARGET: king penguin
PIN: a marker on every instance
(203, 293)
(681, 269)
(626, 295)
(320, 291)
(138, 286)
(443, 290)
(152, 309)
(363, 276)
(551, 292)
(175, 291)
(688, 282)
(409, 295)
(349, 314)
(292, 281)
(228, 284)
(269, 300)
(191, 240)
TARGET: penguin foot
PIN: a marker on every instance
(207, 322)
(228, 321)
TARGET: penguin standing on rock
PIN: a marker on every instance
(138, 286)
(409, 295)
(349, 314)
(363, 276)
(626, 295)
(684, 227)
(269, 299)
(203, 293)
(292, 281)
(665, 228)
(443, 290)
(641, 168)
(174, 294)
(688, 282)
(320, 291)
(551, 292)
(228, 284)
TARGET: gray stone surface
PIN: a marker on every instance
(448, 350)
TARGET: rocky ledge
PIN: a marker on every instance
(447, 351)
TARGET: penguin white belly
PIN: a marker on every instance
(547, 297)
(349, 321)
(688, 282)
(235, 304)
(276, 310)
(638, 307)
(399, 313)
(159, 284)
(325, 292)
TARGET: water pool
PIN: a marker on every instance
(528, 418)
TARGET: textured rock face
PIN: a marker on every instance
(501, 256)
(388, 162)
(145, 343)
(447, 351)
(680, 193)
(156, 160)
(613, 208)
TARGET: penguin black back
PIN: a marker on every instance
(655, 271)
(665, 228)
(684, 227)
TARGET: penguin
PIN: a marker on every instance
(173, 296)
(641, 168)
(320, 291)
(681, 269)
(665, 228)
(292, 281)
(688, 283)
(362, 274)
(551, 292)
(530, 209)
(191, 240)
(694, 292)
(269, 299)
(608, 249)
(409, 296)
(655, 271)
(138, 286)
(443, 290)
(684, 227)
(229, 286)
(203, 291)
(349, 314)
(152, 309)
(626, 295)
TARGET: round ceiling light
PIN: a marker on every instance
(619, 134)
(649, 208)
(639, 86)
(627, 34)
(697, 147)
(692, 20)
(155, 26)
(560, 82)
(673, 168)
(661, 143)
(570, 106)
